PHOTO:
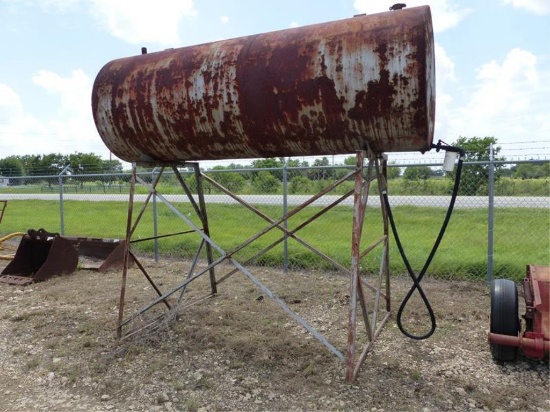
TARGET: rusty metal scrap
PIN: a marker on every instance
(330, 88)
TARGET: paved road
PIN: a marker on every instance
(462, 202)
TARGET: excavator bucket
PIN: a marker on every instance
(40, 256)
(99, 254)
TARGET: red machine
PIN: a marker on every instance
(504, 336)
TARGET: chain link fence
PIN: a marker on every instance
(500, 224)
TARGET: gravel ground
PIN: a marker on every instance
(239, 351)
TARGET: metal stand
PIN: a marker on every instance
(374, 300)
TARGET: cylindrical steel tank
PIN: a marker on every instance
(324, 89)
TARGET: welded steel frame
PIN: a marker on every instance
(373, 314)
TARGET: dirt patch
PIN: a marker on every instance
(240, 351)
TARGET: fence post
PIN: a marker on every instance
(61, 210)
(285, 211)
(490, 234)
(155, 222)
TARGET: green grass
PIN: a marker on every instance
(521, 235)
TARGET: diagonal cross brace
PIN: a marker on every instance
(243, 269)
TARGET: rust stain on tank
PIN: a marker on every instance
(324, 89)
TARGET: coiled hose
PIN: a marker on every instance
(417, 279)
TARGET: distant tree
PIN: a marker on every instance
(44, 165)
(242, 170)
(320, 174)
(232, 181)
(11, 166)
(85, 163)
(393, 172)
(265, 182)
(28, 162)
(295, 163)
(291, 162)
(145, 173)
(350, 161)
(417, 173)
(531, 171)
(475, 177)
(269, 163)
(299, 184)
(507, 171)
(191, 182)
(48, 165)
(111, 166)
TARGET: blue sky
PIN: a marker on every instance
(492, 60)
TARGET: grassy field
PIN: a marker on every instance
(521, 235)
(505, 186)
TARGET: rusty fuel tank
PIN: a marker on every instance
(330, 88)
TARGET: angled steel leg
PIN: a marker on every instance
(370, 310)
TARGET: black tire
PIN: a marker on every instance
(504, 317)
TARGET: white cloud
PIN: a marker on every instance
(445, 13)
(69, 129)
(444, 65)
(10, 105)
(541, 7)
(73, 91)
(132, 21)
(294, 24)
(224, 19)
(20, 133)
(502, 86)
(444, 78)
(509, 101)
(137, 22)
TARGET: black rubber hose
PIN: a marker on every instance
(417, 279)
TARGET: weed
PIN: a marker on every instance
(99, 367)
(191, 404)
(53, 366)
(52, 344)
(18, 351)
(86, 327)
(487, 400)
(133, 351)
(20, 317)
(88, 343)
(178, 385)
(310, 369)
(416, 374)
(237, 364)
(72, 373)
(203, 383)
(32, 363)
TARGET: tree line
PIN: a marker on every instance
(306, 178)
(266, 175)
(52, 164)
